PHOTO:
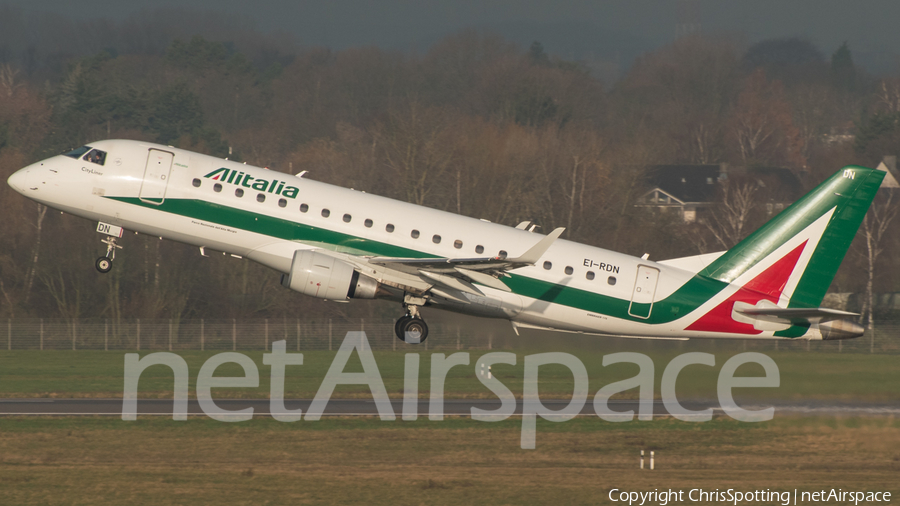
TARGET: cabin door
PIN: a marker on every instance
(156, 176)
(644, 292)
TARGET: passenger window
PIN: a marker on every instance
(389, 227)
(436, 239)
(368, 223)
(326, 213)
(282, 202)
(260, 197)
(217, 187)
(548, 266)
(611, 280)
(589, 275)
(414, 234)
(304, 208)
(457, 244)
(569, 270)
(95, 156)
(479, 249)
(196, 183)
(347, 218)
(239, 193)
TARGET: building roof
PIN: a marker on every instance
(687, 183)
(697, 183)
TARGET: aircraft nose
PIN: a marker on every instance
(17, 180)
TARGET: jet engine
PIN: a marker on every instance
(323, 276)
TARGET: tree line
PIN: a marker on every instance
(474, 125)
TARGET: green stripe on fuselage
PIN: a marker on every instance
(275, 227)
(687, 298)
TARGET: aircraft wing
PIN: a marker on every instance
(446, 264)
(460, 273)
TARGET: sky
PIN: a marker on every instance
(613, 30)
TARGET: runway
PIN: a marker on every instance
(451, 407)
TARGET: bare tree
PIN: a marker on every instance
(728, 222)
(416, 149)
(814, 114)
(41, 213)
(873, 229)
(762, 125)
(888, 94)
(8, 83)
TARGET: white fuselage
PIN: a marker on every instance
(175, 206)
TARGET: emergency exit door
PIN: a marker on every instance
(644, 292)
(156, 176)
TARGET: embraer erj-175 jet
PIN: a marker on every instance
(336, 243)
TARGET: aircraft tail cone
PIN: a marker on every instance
(840, 329)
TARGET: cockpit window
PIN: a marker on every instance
(95, 156)
(76, 153)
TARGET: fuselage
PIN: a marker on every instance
(266, 216)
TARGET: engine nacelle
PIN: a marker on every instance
(323, 276)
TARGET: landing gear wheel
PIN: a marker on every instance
(414, 330)
(399, 325)
(103, 264)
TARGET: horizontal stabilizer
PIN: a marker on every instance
(798, 314)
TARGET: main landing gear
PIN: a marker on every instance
(411, 328)
(104, 263)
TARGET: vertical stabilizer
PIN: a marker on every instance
(817, 229)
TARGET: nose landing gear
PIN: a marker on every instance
(104, 263)
(411, 328)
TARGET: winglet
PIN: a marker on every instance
(534, 254)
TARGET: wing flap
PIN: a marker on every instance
(484, 279)
(451, 282)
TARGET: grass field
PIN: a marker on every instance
(874, 378)
(457, 461)
(73, 460)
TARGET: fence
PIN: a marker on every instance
(327, 334)
(174, 335)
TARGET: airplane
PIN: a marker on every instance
(338, 244)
